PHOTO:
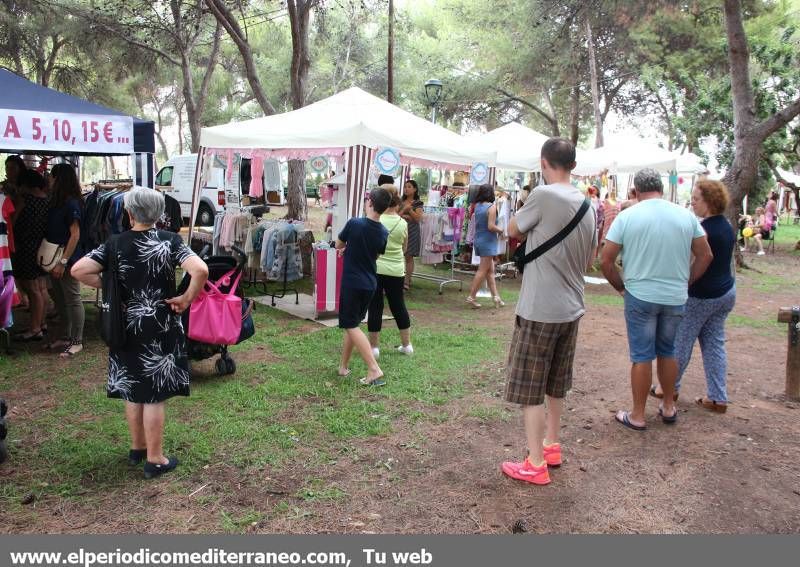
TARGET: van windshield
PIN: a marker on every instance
(164, 176)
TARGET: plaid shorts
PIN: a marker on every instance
(540, 361)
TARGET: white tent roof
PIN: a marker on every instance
(625, 156)
(518, 147)
(349, 118)
(690, 163)
(789, 176)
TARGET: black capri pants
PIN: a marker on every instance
(393, 288)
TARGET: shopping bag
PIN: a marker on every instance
(111, 324)
(215, 317)
(248, 326)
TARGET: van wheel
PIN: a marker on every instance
(205, 216)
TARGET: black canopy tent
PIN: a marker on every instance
(21, 99)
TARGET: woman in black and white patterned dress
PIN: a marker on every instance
(153, 365)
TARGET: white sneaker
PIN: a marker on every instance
(760, 253)
(376, 352)
(405, 349)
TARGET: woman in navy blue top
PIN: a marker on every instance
(711, 299)
(64, 229)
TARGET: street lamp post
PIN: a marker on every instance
(433, 92)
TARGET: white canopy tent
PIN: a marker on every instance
(625, 155)
(349, 118)
(518, 147)
(690, 163)
(349, 126)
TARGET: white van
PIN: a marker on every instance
(177, 178)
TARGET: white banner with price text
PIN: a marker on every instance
(58, 132)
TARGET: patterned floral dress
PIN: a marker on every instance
(153, 366)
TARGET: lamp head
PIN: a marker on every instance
(433, 91)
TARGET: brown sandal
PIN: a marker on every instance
(661, 395)
(711, 405)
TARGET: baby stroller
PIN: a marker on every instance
(218, 266)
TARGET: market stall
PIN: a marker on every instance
(40, 120)
(365, 134)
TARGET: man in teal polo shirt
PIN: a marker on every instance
(657, 240)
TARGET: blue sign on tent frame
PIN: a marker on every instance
(387, 160)
(479, 174)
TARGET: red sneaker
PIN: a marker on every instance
(552, 454)
(525, 471)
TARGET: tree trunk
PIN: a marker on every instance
(299, 14)
(575, 114)
(598, 120)
(296, 201)
(231, 25)
(553, 113)
(390, 56)
(192, 116)
(179, 114)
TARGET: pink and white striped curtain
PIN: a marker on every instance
(357, 164)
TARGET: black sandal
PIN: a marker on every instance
(67, 352)
(136, 456)
(661, 395)
(668, 419)
(29, 337)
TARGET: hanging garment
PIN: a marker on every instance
(257, 177)
(427, 229)
(287, 263)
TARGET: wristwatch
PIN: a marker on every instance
(63, 261)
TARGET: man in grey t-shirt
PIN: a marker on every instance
(549, 308)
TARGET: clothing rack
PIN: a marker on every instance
(442, 280)
(253, 280)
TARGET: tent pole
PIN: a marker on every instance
(201, 157)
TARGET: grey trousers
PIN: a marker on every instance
(66, 294)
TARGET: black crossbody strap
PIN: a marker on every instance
(561, 235)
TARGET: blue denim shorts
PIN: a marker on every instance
(651, 328)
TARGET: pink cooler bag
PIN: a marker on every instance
(216, 318)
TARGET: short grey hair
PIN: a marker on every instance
(145, 205)
(648, 181)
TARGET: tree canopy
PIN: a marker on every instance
(559, 66)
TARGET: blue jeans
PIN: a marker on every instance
(705, 320)
(651, 328)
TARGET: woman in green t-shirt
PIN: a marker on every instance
(391, 278)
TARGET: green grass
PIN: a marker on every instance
(597, 300)
(272, 412)
(489, 413)
(316, 491)
(239, 523)
(742, 321)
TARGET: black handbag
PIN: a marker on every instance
(248, 326)
(111, 325)
(520, 258)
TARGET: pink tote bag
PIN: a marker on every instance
(216, 318)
